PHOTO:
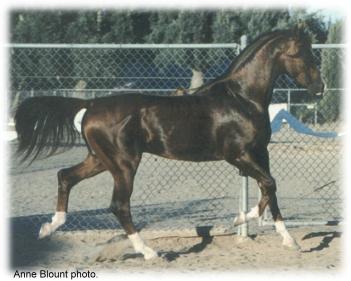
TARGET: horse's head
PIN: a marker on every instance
(298, 61)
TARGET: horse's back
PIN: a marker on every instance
(194, 128)
(173, 127)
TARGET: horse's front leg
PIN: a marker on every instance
(257, 211)
(256, 165)
(268, 188)
(67, 178)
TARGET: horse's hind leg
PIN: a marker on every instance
(120, 206)
(67, 178)
(123, 164)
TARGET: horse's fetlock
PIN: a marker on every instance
(114, 209)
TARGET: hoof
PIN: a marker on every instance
(45, 231)
(149, 253)
(291, 244)
(240, 219)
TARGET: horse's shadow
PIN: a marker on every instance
(172, 255)
(328, 237)
(203, 232)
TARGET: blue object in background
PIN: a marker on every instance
(299, 127)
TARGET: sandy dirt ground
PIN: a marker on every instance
(170, 195)
(103, 251)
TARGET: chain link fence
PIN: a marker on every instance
(170, 194)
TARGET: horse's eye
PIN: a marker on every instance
(297, 54)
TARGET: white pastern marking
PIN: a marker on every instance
(59, 218)
(287, 239)
(242, 217)
(78, 119)
(140, 247)
(48, 228)
(254, 213)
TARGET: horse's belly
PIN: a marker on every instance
(178, 133)
(189, 155)
(183, 147)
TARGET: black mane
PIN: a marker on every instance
(248, 53)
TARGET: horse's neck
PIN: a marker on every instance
(257, 77)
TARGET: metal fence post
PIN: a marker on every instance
(289, 100)
(315, 114)
(243, 42)
(244, 229)
(260, 219)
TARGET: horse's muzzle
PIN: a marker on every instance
(317, 90)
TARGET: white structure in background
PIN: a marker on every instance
(275, 108)
(196, 80)
(10, 133)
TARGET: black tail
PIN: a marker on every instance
(43, 124)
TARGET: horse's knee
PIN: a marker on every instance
(268, 186)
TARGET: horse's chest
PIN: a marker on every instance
(242, 131)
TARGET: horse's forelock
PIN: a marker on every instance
(300, 33)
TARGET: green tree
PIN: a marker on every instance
(314, 24)
(37, 27)
(102, 26)
(257, 21)
(195, 27)
(119, 27)
(183, 27)
(332, 69)
(164, 27)
(227, 26)
(82, 29)
(141, 25)
(128, 26)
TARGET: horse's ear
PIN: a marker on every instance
(298, 33)
(300, 28)
(301, 25)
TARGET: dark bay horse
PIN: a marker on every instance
(226, 119)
